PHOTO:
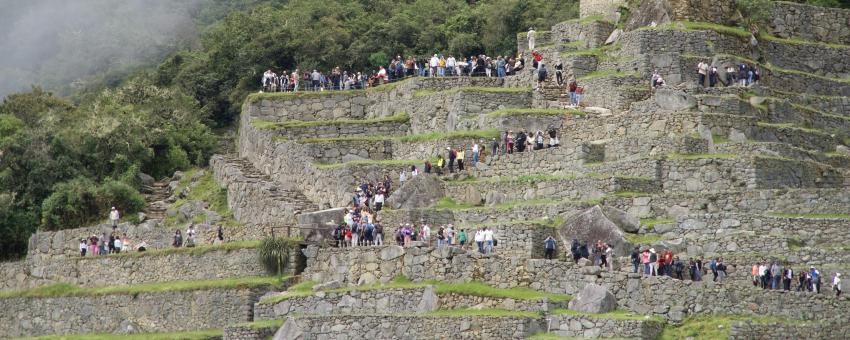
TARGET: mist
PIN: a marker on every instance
(66, 44)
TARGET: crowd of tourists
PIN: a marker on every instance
(781, 277)
(105, 244)
(398, 68)
(650, 263)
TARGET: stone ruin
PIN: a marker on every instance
(744, 173)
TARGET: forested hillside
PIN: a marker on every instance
(64, 160)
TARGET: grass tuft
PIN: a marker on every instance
(65, 289)
(497, 313)
(188, 335)
(615, 315)
(678, 156)
(811, 216)
(535, 112)
(207, 190)
(400, 117)
(473, 89)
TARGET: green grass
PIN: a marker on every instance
(535, 112)
(553, 336)
(811, 216)
(776, 69)
(263, 324)
(790, 126)
(679, 156)
(630, 194)
(195, 251)
(64, 289)
(367, 162)
(651, 222)
(529, 179)
(189, 335)
(713, 326)
(207, 190)
(473, 89)
(449, 203)
(440, 288)
(644, 239)
(497, 313)
(400, 117)
(590, 19)
(255, 97)
(615, 315)
(607, 73)
(718, 139)
(437, 136)
(346, 139)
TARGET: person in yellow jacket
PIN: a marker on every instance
(460, 159)
(441, 69)
(441, 163)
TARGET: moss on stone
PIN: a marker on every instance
(678, 156)
(473, 89)
(613, 315)
(490, 312)
(188, 335)
(399, 117)
(535, 112)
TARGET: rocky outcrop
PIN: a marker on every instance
(594, 299)
(421, 191)
(591, 225)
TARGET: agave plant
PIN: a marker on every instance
(274, 255)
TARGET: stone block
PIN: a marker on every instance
(594, 298)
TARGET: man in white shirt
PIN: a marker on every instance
(479, 240)
(114, 216)
(531, 38)
(379, 200)
(451, 63)
(488, 240)
(425, 234)
(435, 62)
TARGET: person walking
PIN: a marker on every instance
(531, 38)
(114, 216)
(836, 284)
(178, 239)
(488, 241)
(479, 240)
(460, 155)
(549, 243)
(635, 257)
(475, 154)
(702, 71)
(452, 158)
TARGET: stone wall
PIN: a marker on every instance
(749, 330)
(615, 92)
(592, 34)
(593, 327)
(389, 301)
(550, 160)
(792, 20)
(634, 292)
(568, 188)
(460, 109)
(603, 8)
(119, 270)
(345, 130)
(407, 327)
(349, 150)
(150, 312)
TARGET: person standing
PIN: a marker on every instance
(573, 86)
(541, 76)
(635, 257)
(434, 63)
(190, 236)
(653, 262)
(475, 154)
(118, 245)
(479, 240)
(461, 238)
(460, 156)
(220, 234)
(379, 200)
(178, 239)
(549, 244)
(114, 216)
(488, 241)
(787, 276)
(452, 158)
(721, 271)
(559, 73)
(702, 71)
(531, 38)
(836, 284)
(579, 94)
(83, 247)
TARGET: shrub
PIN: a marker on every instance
(81, 201)
(274, 255)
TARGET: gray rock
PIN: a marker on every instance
(674, 100)
(429, 301)
(142, 217)
(366, 279)
(494, 198)
(622, 219)
(319, 225)
(594, 298)
(145, 179)
(391, 253)
(583, 262)
(614, 37)
(842, 150)
(198, 175)
(591, 225)
(419, 192)
(471, 196)
(127, 327)
(290, 330)
(178, 175)
(327, 285)
(172, 186)
(737, 136)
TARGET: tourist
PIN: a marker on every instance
(451, 65)
(509, 142)
(114, 216)
(743, 74)
(653, 262)
(559, 73)
(434, 63)
(541, 76)
(584, 251)
(104, 245)
(355, 232)
(118, 245)
(536, 59)
(379, 233)
(425, 234)
(190, 236)
(597, 253)
(220, 234)
(407, 232)
(660, 82)
(111, 244)
(713, 267)
(776, 274)
(635, 257)
(379, 200)
(317, 80)
(553, 137)
(538, 140)
(489, 241)
(402, 177)
(816, 280)
(452, 157)
(607, 256)
(348, 236)
(668, 262)
(579, 94)
(83, 247)
(479, 240)
(460, 155)
(178, 239)
(461, 238)
(787, 276)
(494, 145)
(572, 87)
(475, 154)
(730, 75)
(712, 76)
(653, 79)
(531, 37)
(764, 275)
(126, 244)
(836, 284)
(802, 278)
(679, 267)
(574, 250)
(549, 244)
(450, 235)
(721, 271)
(702, 71)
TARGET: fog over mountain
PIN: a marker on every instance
(63, 44)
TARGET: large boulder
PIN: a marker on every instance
(592, 225)
(318, 226)
(421, 191)
(627, 222)
(290, 330)
(674, 100)
(594, 298)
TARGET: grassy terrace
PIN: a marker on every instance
(811, 216)
(369, 162)
(400, 117)
(535, 112)
(195, 251)
(255, 97)
(450, 204)
(790, 126)
(207, 190)
(441, 288)
(422, 137)
(678, 156)
(615, 315)
(716, 326)
(474, 89)
(737, 32)
(189, 335)
(64, 289)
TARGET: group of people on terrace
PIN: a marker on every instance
(111, 244)
(775, 276)
(398, 68)
(650, 263)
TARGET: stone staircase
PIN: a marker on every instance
(156, 196)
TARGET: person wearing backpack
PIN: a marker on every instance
(549, 243)
(635, 259)
(541, 76)
(713, 266)
(355, 234)
(452, 157)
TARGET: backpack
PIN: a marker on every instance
(354, 228)
(542, 74)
